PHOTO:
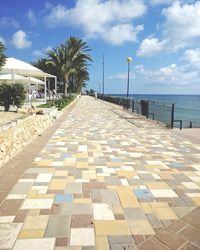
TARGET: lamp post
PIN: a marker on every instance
(129, 60)
(103, 77)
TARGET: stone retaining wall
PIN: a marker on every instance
(17, 135)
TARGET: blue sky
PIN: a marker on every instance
(162, 37)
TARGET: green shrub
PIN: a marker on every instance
(6, 97)
(60, 104)
(19, 94)
(11, 94)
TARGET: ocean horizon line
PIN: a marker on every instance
(154, 94)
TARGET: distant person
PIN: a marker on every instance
(95, 95)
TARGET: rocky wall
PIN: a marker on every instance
(15, 136)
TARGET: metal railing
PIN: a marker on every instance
(154, 110)
(165, 113)
(189, 117)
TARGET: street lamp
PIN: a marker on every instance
(129, 60)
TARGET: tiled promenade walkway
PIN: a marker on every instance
(103, 183)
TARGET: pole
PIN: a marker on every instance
(128, 80)
(99, 87)
(45, 89)
(103, 77)
(172, 116)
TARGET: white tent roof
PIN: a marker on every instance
(9, 78)
(15, 66)
(35, 80)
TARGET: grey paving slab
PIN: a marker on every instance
(21, 188)
(73, 209)
(58, 226)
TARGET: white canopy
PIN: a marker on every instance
(8, 78)
(35, 80)
(15, 66)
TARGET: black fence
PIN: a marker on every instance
(154, 110)
(190, 117)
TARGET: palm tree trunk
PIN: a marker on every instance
(65, 86)
(65, 90)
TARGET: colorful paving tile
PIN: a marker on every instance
(101, 182)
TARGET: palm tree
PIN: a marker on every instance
(81, 77)
(2, 55)
(69, 58)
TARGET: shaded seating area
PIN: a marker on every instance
(33, 79)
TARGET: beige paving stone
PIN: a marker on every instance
(102, 243)
(113, 227)
(82, 164)
(70, 179)
(196, 200)
(159, 204)
(165, 213)
(61, 173)
(126, 174)
(57, 184)
(31, 234)
(44, 163)
(127, 198)
(146, 207)
(114, 164)
(35, 244)
(141, 227)
(117, 209)
(36, 222)
(157, 185)
(82, 201)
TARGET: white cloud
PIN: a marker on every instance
(123, 76)
(182, 22)
(192, 55)
(179, 30)
(2, 40)
(8, 22)
(139, 68)
(31, 16)
(121, 33)
(173, 75)
(98, 18)
(42, 52)
(150, 47)
(20, 41)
